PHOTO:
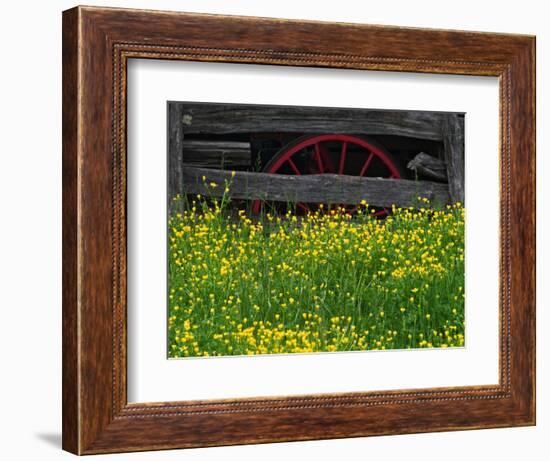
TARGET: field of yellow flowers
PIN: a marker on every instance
(326, 281)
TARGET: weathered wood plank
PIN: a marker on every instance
(216, 118)
(175, 151)
(453, 141)
(325, 188)
(428, 166)
(217, 154)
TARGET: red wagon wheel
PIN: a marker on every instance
(331, 153)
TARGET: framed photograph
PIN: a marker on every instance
(284, 230)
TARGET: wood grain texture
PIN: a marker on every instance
(427, 166)
(175, 146)
(313, 188)
(250, 118)
(97, 44)
(217, 154)
(453, 141)
(70, 381)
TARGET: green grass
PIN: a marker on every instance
(322, 282)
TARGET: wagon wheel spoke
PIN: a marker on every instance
(303, 207)
(318, 158)
(366, 164)
(382, 212)
(343, 154)
(294, 167)
(328, 164)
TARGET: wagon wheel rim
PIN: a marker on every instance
(321, 161)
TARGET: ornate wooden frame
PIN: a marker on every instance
(97, 43)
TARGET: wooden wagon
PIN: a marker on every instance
(316, 155)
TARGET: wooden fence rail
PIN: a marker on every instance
(315, 188)
(215, 118)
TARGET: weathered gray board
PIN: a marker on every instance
(453, 141)
(428, 166)
(216, 154)
(315, 188)
(245, 118)
(211, 118)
